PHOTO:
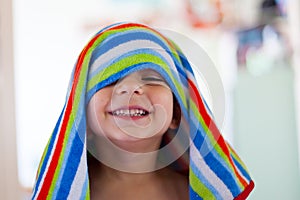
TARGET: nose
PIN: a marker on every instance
(129, 85)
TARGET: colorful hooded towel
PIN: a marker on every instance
(214, 169)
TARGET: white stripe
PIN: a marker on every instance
(79, 179)
(212, 178)
(130, 46)
(49, 159)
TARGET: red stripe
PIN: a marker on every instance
(57, 152)
(58, 148)
(127, 25)
(212, 127)
(246, 192)
(51, 170)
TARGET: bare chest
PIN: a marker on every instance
(139, 192)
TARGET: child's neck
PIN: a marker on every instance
(111, 174)
(133, 157)
(108, 183)
(139, 146)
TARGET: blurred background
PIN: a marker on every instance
(254, 45)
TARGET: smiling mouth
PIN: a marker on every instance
(134, 112)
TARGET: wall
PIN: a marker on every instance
(9, 187)
(266, 132)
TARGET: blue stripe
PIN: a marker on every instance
(103, 67)
(241, 168)
(112, 79)
(119, 38)
(134, 68)
(213, 159)
(72, 166)
(48, 153)
(185, 63)
(74, 129)
(64, 162)
(188, 67)
(108, 27)
(194, 195)
(202, 179)
(84, 188)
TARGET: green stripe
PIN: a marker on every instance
(107, 33)
(87, 194)
(237, 158)
(100, 77)
(199, 187)
(43, 156)
(123, 64)
(214, 143)
(75, 104)
(130, 61)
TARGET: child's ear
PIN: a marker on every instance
(176, 115)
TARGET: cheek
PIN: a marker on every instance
(165, 100)
(95, 112)
(91, 116)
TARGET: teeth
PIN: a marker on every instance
(130, 112)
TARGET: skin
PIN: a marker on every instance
(145, 91)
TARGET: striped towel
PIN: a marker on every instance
(214, 169)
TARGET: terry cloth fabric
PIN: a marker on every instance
(215, 170)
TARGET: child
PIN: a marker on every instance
(135, 126)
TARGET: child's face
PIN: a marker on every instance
(138, 106)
